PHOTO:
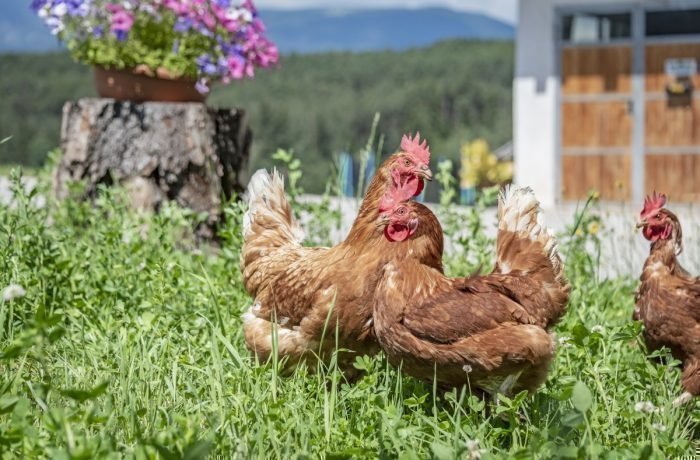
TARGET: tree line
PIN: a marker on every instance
(317, 105)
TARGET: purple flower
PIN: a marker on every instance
(36, 5)
(183, 24)
(236, 66)
(201, 86)
(77, 7)
(55, 25)
(121, 35)
(205, 64)
(122, 21)
(227, 35)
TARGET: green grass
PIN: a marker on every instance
(128, 343)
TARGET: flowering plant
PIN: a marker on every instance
(205, 40)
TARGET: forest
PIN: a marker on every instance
(317, 105)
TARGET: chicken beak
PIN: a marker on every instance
(382, 221)
(642, 223)
(425, 173)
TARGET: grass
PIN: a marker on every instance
(128, 343)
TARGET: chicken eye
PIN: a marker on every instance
(407, 162)
(658, 215)
(401, 211)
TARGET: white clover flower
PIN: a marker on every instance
(12, 292)
(473, 450)
(126, 237)
(645, 407)
(658, 426)
(467, 368)
(564, 341)
(598, 328)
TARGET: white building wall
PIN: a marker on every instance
(535, 133)
(536, 124)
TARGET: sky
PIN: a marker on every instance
(505, 10)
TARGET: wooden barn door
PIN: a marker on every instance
(596, 121)
(672, 104)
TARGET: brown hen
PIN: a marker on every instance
(310, 301)
(488, 332)
(668, 299)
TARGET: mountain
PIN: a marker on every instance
(304, 31)
(315, 30)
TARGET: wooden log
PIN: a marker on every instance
(186, 152)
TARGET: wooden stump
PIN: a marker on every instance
(186, 152)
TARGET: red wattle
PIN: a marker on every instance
(396, 232)
(419, 187)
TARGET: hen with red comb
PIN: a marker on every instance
(415, 147)
(298, 290)
(401, 189)
(653, 203)
(668, 299)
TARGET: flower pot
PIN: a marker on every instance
(141, 84)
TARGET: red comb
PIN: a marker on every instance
(397, 192)
(653, 202)
(414, 147)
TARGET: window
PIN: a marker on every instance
(675, 22)
(596, 28)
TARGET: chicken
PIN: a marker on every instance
(488, 332)
(318, 299)
(668, 299)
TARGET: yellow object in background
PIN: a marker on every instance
(480, 167)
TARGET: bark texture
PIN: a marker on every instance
(186, 152)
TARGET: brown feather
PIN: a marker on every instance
(474, 331)
(309, 294)
(668, 303)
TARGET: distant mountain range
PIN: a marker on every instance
(305, 31)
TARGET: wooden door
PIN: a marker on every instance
(596, 121)
(671, 126)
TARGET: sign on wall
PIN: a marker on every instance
(680, 68)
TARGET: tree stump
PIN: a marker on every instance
(186, 152)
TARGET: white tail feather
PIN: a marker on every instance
(519, 212)
(265, 193)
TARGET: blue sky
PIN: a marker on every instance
(502, 9)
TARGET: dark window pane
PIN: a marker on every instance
(592, 28)
(677, 22)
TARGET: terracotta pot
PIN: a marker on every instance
(141, 84)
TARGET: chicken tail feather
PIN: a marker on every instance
(267, 225)
(526, 246)
(265, 195)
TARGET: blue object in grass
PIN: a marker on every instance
(467, 195)
(346, 176)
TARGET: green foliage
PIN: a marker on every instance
(464, 225)
(127, 342)
(316, 105)
(34, 89)
(325, 218)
